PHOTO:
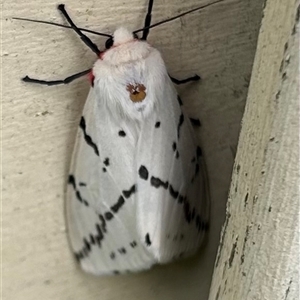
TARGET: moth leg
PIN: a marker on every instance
(56, 82)
(147, 21)
(83, 37)
(193, 78)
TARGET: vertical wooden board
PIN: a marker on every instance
(39, 125)
(259, 251)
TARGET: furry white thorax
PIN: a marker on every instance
(129, 61)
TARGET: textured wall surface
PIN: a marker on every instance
(259, 252)
(39, 126)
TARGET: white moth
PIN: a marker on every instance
(137, 191)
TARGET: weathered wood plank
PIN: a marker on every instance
(259, 252)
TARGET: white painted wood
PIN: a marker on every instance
(259, 251)
(39, 125)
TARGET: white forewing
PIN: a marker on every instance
(172, 213)
(136, 194)
(103, 232)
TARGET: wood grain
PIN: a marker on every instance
(259, 251)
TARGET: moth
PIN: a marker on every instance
(137, 191)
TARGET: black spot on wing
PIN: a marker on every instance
(197, 166)
(99, 237)
(108, 215)
(82, 184)
(200, 224)
(173, 193)
(115, 208)
(181, 119)
(156, 182)
(122, 133)
(147, 239)
(143, 172)
(179, 100)
(199, 152)
(133, 244)
(106, 161)
(122, 250)
(78, 256)
(181, 199)
(92, 239)
(189, 212)
(104, 170)
(103, 223)
(87, 244)
(174, 146)
(72, 181)
(157, 124)
(129, 192)
(87, 138)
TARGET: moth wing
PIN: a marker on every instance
(172, 198)
(101, 194)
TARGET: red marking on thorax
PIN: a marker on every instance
(101, 54)
(91, 78)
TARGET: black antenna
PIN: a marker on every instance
(147, 21)
(83, 37)
(178, 16)
(64, 26)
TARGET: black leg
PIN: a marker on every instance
(57, 82)
(194, 78)
(83, 37)
(147, 21)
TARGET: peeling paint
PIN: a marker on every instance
(288, 289)
(228, 215)
(246, 200)
(232, 253)
(244, 244)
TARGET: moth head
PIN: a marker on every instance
(121, 36)
(124, 46)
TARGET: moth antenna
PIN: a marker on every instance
(147, 21)
(56, 82)
(63, 26)
(83, 37)
(176, 17)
